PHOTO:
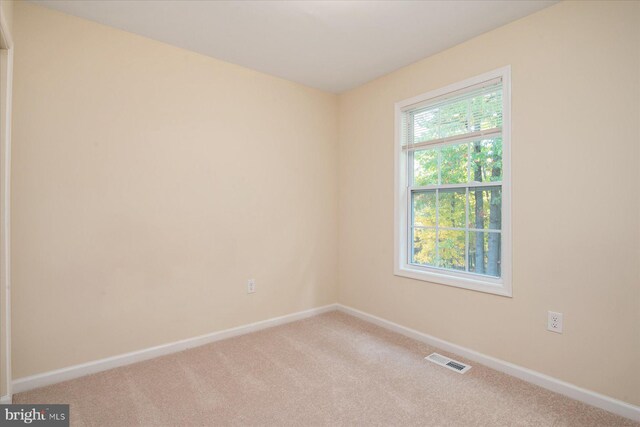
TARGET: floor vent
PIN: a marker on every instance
(454, 365)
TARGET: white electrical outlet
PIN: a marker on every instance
(554, 321)
(251, 286)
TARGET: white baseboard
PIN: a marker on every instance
(71, 372)
(5, 400)
(615, 406)
(589, 397)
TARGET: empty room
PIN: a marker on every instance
(319, 213)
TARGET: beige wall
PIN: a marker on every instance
(149, 183)
(576, 205)
(6, 10)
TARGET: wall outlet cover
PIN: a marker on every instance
(554, 321)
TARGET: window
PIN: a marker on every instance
(453, 185)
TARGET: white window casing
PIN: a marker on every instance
(405, 187)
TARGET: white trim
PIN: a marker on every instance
(402, 267)
(467, 137)
(443, 95)
(5, 400)
(5, 203)
(470, 184)
(71, 372)
(589, 397)
(453, 278)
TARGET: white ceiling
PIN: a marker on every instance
(329, 45)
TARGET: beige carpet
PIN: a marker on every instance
(331, 369)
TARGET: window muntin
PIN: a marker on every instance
(452, 153)
(462, 205)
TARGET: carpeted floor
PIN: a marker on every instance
(331, 369)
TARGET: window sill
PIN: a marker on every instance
(458, 281)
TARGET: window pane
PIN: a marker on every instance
(425, 167)
(425, 125)
(424, 208)
(453, 119)
(485, 207)
(424, 246)
(453, 163)
(486, 111)
(484, 253)
(451, 249)
(451, 205)
(480, 110)
(486, 160)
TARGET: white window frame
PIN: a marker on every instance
(402, 266)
